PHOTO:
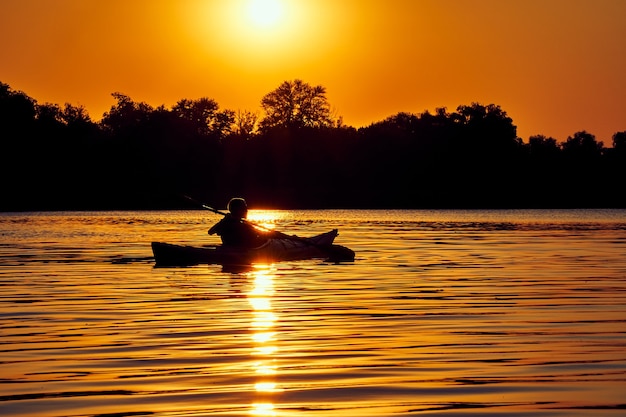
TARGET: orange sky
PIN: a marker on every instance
(555, 66)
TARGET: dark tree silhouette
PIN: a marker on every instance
(125, 115)
(204, 115)
(542, 147)
(616, 168)
(296, 104)
(619, 142)
(245, 124)
(488, 129)
(584, 169)
(142, 157)
(583, 146)
(17, 111)
(72, 115)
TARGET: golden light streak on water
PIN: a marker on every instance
(446, 313)
(266, 387)
(261, 304)
(267, 219)
(265, 369)
(263, 339)
(263, 320)
(262, 409)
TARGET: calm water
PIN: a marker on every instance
(453, 313)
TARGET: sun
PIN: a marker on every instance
(255, 35)
(264, 13)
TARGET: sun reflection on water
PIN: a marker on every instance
(263, 409)
(266, 219)
(263, 339)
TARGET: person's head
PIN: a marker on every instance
(238, 207)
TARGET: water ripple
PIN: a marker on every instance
(443, 313)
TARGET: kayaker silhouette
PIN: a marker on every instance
(245, 243)
(236, 232)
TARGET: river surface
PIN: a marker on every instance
(443, 313)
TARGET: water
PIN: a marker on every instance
(443, 313)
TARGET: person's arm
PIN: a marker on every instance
(216, 227)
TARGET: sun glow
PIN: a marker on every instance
(264, 13)
(255, 36)
(265, 218)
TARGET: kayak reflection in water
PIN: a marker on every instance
(236, 232)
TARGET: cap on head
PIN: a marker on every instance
(237, 206)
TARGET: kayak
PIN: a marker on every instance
(274, 250)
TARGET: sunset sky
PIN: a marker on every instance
(555, 66)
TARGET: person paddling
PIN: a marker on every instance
(236, 232)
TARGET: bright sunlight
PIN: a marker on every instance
(256, 36)
(264, 13)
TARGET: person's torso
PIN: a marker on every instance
(234, 232)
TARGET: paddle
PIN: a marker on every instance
(336, 253)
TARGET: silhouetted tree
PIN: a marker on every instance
(616, 162)
(205, 115)
(140, 156)
(488, 128)
(583, 169)
(64, 124)
(49, 113)
(582, 146)
(543, 148)
(125, 114)
(296, 104)
(79, 126)
(619, 142)
(17, 111)
(541, 172)
(49, 128)
(17, 120)
(245, 124)
(75, 115)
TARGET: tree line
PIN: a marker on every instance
(295, 154)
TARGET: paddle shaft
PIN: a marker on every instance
(335, 252)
